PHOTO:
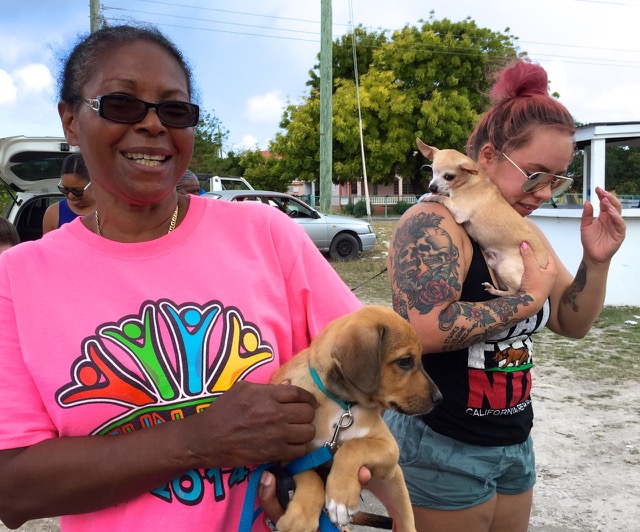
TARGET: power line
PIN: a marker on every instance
(121, 19)
(229, 11)
(415, 47)
(208, 20)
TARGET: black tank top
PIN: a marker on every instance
(486, 386)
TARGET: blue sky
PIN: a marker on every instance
(251, 58)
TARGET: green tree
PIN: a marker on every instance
(426, 82)
(623, 168)
(263, 172)
(342, 56)
(207, 149)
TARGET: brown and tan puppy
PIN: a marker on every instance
(372, 358)
(477, 204)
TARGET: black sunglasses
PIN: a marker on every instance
(130, 110)
(77, 192)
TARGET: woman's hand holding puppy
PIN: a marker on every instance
(537, 282)
(252, 424)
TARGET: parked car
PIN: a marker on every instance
(29, 171)
(343, 237)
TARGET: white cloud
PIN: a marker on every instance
(266, 108)
(8, 90)
(249, 141)
(606, 105)
(35, 77)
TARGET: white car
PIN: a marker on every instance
(343, 237)
(30, 170)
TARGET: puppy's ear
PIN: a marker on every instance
(358, 353)
(469, 168)
(428, 151)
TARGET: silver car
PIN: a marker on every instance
(343, 237)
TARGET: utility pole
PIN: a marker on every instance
(94, 15)
(326, 90)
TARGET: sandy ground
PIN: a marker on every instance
(587, 441)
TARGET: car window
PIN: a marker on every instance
(299, 210)
(36, 166)
(247, 198)
(278, 203)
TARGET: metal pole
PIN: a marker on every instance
(326, 91)
(94, 15)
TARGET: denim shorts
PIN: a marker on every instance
(445, 474)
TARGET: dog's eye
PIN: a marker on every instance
(449, 177)
(405, 363)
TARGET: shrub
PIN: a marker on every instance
(347, 209)
(402, 207)
(360, 209)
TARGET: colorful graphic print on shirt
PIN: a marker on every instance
(168, 362)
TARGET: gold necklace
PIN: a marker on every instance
(172, 224)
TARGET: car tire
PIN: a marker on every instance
(344, 247)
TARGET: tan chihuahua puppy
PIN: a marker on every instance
(477, 204)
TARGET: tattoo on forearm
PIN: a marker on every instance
(579, 282)
(425, 265)
(483, 318)
(425, 275)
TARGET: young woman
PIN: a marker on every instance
(75, 185)
(469, 464)
(142, 405)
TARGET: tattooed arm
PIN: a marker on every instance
(576, 302)
(428, 263)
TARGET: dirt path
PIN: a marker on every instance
(587, 441)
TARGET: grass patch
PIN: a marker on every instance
(365, 276)
(608, 352)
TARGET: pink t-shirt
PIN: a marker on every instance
(102, 337)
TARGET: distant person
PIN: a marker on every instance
(8, 234)
(188, 184)
(75, 185)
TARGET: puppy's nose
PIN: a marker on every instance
(436, 397)
(433, 188)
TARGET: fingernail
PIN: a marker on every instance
(266, 480)
(524, 245)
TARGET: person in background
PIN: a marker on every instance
(469, 464)
(8, 234)
(145, 403)
(189, 184)
(75, 186)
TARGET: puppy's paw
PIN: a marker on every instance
(339, 513)
(294, 521)
(425, 198)
(342, 499)
(497, 292)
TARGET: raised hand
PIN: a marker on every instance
(602, 236)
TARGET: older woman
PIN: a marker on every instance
(142, 405)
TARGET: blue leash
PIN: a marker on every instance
(248, 515)
(308, 461)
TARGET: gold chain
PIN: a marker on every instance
(172, 224)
